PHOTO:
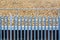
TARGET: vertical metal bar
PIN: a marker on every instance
(41, 30)
(55, 28)
(0, 28)
(27, 29)
(14, 28)
(59, 26)
(7, 28)
(52, 27)
(6, 24)
(34, 28)
(24, 27)
(40, 23)
(45, 28)
(48, 28)
(4, 27)
(17, 23)
(31, 27)
(10, 27)
(17, 27)
(38, 26)
(21, 27)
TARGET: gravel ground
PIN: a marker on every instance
(29, 4)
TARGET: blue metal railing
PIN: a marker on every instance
(38, 28)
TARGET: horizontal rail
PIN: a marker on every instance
(2, 17)
(29, 8)
(19, 28)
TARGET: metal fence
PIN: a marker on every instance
(29, 28)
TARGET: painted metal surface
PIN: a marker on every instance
(27, 31)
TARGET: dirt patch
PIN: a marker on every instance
(29, 4)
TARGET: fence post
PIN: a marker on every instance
(6, 24)
(38, 29)
(49, 28)
(34, 28)
(16, 26)
(10, 27)
(45, 28)
(31, 28)
(55, 29)
(41, 28)
(52, 28)
(4, 27)
(25, 19)
(21, 27)
(0, 28)
(28, 28)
